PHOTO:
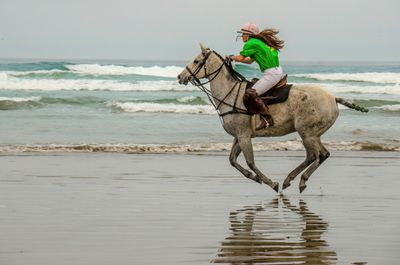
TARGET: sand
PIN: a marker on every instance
(105, 208)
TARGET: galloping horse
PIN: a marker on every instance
(309, 110)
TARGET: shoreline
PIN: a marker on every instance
(290, 145)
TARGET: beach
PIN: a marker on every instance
(114, 162)
(194, 208)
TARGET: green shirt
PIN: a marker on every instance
(265, 56)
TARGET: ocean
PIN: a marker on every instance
(138, 106)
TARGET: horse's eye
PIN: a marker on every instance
(195, 61)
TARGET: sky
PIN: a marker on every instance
(313, 30)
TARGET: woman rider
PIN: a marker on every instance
(262, 47)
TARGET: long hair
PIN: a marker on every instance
(269, 37)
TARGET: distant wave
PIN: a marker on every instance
(34, 66)
(391, 108)
(10, 82)
(189, 100)
(9, 103)
(49, 73)
(165, 108)
(97, 69)
(294, 145)
(91, 69)
(15, 99)
(371, 77)
(352, 89)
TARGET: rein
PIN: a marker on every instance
(211, 76)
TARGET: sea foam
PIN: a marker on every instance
(97, 69)
(362, 89)
(166, 108)
(291, 145)
(371, 77)
(15, 99)
(394, 108)
(10, 82)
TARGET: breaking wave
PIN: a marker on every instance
(9, 103)
(9, 82)
(165, 108)
(97, 69)
(371, 77)
(91, 69)
(354, 89)
(391, 108)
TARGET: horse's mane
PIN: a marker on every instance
(235, 74)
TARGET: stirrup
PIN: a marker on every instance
(264, 123)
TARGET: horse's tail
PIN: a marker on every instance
(351, 105)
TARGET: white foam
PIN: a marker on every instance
(97, 69)
(11, 82)
(395, 107)
(20, 100)
(352, 89)
(21, 74)
(373, 77)
(292, 145)
(187, 99)
(166, 108)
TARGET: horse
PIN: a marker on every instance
(309, 110)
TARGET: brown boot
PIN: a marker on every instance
(255, 105)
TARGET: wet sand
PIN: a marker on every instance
(106, 208)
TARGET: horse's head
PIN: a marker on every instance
(196, 70)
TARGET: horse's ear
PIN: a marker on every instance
(203, 48)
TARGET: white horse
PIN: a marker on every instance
(309, 110)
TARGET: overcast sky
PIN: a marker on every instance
(314, 30)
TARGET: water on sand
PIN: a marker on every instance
(195, 209)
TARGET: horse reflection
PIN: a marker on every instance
(276, 233)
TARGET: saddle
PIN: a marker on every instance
(258, 104)
(277, 94)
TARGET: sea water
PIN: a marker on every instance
(139, 106)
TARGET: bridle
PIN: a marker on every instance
(211, 76)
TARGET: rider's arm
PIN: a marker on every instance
(242, 59)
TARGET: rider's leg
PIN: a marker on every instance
(270, 78)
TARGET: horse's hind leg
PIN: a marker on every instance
(247, 149)
(321, 154)
(311, 146)
(292, 175)
(235, 151)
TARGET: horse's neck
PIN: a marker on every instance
(223, 86)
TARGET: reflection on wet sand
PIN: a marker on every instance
(276, 233)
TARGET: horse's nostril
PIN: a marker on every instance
(179, 76)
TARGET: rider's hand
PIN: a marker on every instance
(229, 57)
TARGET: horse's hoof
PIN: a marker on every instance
(285, 185)
(276, 187)
(302, 187)
(254, 178)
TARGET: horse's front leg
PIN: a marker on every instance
(247, 148)
(235, 151)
